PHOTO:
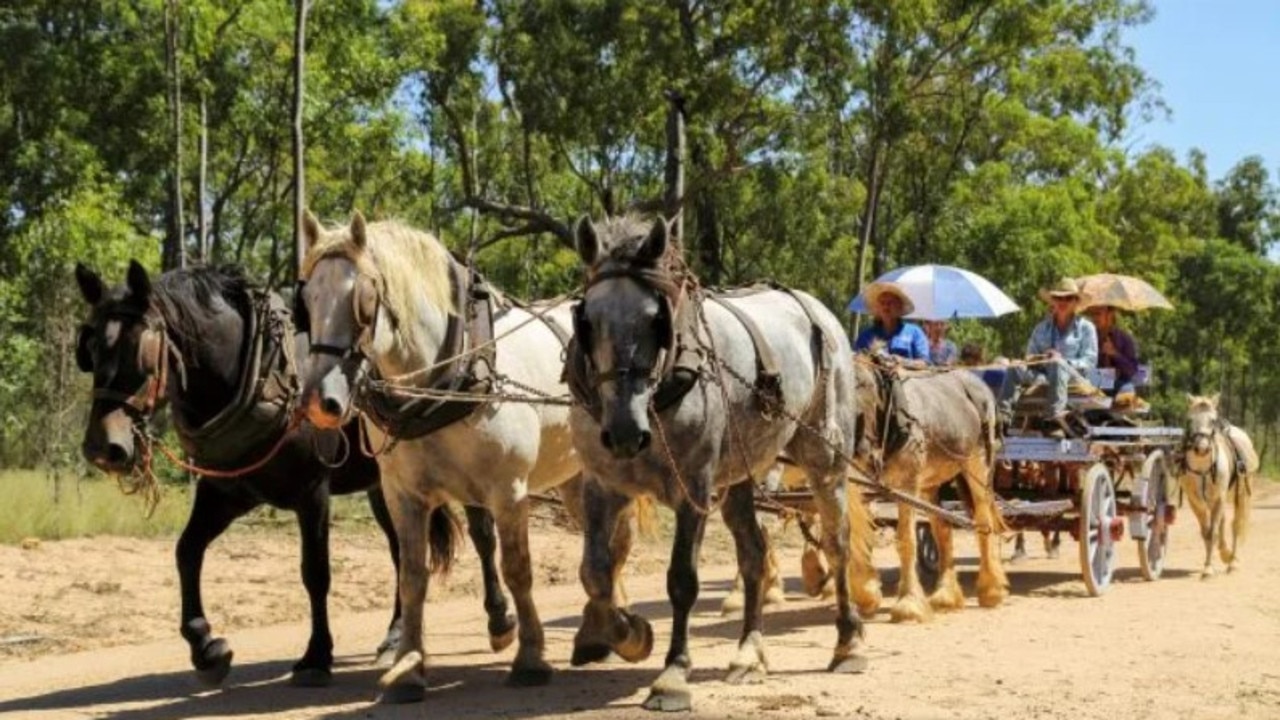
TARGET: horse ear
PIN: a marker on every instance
(310, 228)
(359, 235)
(1213, 400)
(139, 283)
(91, 287)
(656, 244)
(1191, 399)
(588, 244)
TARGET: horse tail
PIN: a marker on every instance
(443, 529)
(863, 579)
(646, 517)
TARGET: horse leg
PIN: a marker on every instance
(948, 595)
(773, 595)
(813, 573)
(1218, 525)
(605, 627)
(502, 625)
(1019, 548)
(1191, 490)
(864, 580)
(751, 544)
(832, 497)
(529, 667)
(211, 513)
(385, 654)
(911, 604)
(993, 584)
(1243, 499)
(314, 669)
(670, 692)
(1052, 543)
(623, 536)
(406, 681)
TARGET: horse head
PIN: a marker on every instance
(123, 344)
(624, 325)
(1202, 422)
(376, 293)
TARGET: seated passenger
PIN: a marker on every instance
(887, 302)
(1116, 350)
(942, 352)
(972, 355)
(1062, 347)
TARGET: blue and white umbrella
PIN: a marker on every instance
(943, 292)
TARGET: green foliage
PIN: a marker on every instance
(979, 133)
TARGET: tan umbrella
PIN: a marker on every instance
(1120, 291)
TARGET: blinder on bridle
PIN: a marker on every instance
(153, 345)
(365, 304)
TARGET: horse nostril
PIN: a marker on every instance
(606, 440)
(331, 406)
(645, 438)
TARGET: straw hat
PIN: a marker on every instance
(876, 289)
(1064, 287)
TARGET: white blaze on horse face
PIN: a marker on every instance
(624, 349)
(1201, 424)
(328, 296)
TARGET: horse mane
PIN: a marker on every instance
(188, 297)
(404, 263)
(1200, 403)
(621, 240)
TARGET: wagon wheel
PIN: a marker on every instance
(928, 560)
(1155, 546)
(1097, 513)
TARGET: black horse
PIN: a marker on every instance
(219, 352)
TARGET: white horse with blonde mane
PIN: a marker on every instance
(387, 294)
(1218, 462)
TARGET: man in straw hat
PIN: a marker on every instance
(1062, 347)
(887, 302)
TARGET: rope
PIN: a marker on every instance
(148, 442)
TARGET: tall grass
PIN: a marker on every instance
(33, 505)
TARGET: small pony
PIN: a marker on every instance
(1218, 459)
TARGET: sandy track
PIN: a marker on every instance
(1177, 648)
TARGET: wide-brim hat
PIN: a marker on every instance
(1064, 287)
(876, 289)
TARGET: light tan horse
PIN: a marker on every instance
(387, 294)
(1218, 461)
(927, 430)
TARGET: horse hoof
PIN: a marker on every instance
(535, 676)
(851, 665)
(669, 700)
(910, 611)
(311, 677)
(586, 654)
(502, 632)
(401, 694)
(217, 663)
(639, 643)
(498, 643)
(752, 674)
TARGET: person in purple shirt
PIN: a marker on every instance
(1117, 350)
(888, 303)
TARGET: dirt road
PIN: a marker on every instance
(1177, 648)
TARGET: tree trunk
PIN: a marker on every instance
(299, 178)
(174, 255)
(202, 188)
(867, 221)
(674, 175)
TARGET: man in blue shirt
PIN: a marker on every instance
(888, 303)
(1066, 345)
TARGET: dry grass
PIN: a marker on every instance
(34, 505)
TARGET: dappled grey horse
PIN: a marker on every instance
(674, 404)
